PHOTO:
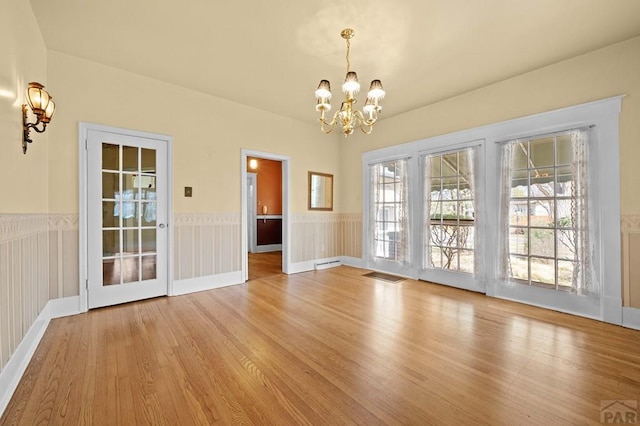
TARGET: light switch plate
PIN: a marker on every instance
(188, 191)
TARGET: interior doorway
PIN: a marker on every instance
(264, 217)
(265, 214)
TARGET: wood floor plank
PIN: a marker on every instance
(264, 264)
(326, 347)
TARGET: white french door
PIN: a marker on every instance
(127, 218)
(389, 227)
(453, 221)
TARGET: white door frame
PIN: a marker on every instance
(83, 245)
(286, 225)
(252, 235)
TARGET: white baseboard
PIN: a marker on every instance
(631, 318)
(64, 307)
(267, 248)
(192, 285)
(356, 262)
(15, 368)
(316, 264)
(306, 266)
(612, 310)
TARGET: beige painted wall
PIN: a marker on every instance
(208, 135)
(23, 178)
(24, 255)
(614, 70)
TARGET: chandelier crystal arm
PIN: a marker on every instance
(364, 121)
(327, 127)
(366, 126)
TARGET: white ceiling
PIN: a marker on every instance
(272, 54)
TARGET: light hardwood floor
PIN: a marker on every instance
(327, 347)
(263, 265)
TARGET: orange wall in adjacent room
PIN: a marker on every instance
(269, 185)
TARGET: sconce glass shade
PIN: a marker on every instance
(324, 90)
(253, 164)
(38, 98)
(42, 106)
(49, 111)
(351, 84)
(375, 90)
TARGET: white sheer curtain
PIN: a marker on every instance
(478, 255)
(389, 212)
(427, 262)
(375, 198)
(404, 252)
(583, 279)
(505, 198)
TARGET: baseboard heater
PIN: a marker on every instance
(325, 264)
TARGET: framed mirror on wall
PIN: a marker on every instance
(320, 191)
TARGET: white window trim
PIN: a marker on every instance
(604, 157)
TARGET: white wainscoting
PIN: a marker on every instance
(192, 285)
(15, 368)
(24, 285)
(206, 244)
(351, 236)
(630, 237)
(321, 235)
(63, 255)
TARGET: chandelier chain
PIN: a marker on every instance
(348, 62)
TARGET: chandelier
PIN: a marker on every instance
(348, 117)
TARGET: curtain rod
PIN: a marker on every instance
(542, 135)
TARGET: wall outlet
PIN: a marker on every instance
(188, 191)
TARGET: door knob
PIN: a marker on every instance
(161, 225)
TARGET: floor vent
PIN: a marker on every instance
(384, 277)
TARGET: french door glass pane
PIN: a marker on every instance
(129, 158)
(543, 270)
(110, 157)
(110, 185)
(130, 269)
(110, 243)
(109, 220)
(111, 271)
(129, 208)
(148, 268)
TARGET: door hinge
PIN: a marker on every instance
(86, 144)
(86, 284)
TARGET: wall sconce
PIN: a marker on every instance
(42, 106)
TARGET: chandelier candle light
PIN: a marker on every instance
(349, 117)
